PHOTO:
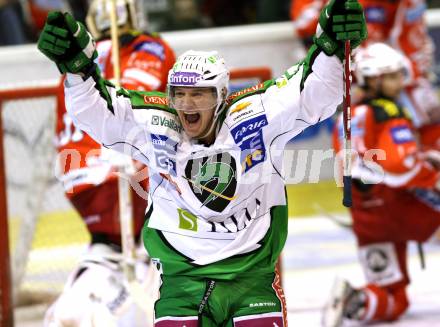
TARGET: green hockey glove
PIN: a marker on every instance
(339, 21)
(67, 43)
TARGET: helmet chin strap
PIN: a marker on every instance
(217, 113)
(213, 125)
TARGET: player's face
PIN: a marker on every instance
(392, 84)
(195, 107)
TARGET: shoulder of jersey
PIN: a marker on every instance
(247, 92)
(148, 100)
(245, 109)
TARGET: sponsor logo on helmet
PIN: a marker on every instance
(184, 78)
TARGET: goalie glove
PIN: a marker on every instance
(67, 43)
(340, 21)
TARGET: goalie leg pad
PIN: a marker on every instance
(96, 294)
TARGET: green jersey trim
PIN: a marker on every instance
(150, 100)
(256, 89)
(307, 62)
(262, 260)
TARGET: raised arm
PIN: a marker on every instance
(121, 120)
(310, 91)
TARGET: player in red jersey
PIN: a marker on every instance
(88, 169)
(395, 192)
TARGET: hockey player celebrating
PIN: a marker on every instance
(396, 195)
(217, 218)
(89, 170)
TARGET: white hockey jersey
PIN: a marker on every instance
(211, 203)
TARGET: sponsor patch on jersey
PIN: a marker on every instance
(248, 127)
(241, 106)
(243, 111)
(416, 13)
(167, 122)
(248, 135)
(380, 263)
(156, 100)
(154, 48)
(402, 134)
(165, 152)
(375, 14)
(239, 220)
(281, 82)
(253, 151)
(187, 220)
(249, 90)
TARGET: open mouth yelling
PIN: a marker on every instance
(191, 117)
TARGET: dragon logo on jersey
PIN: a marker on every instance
(213, 180)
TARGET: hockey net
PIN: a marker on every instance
(46, 236)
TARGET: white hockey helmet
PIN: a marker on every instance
(127, 13)
(200, 69)
(378, 59)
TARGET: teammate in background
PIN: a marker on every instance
(218, 217)
(396, 189)
(90, 181)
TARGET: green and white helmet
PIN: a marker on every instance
(200, 69)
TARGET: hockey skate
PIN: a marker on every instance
(344, 302)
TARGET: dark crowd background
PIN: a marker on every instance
(22, 20)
